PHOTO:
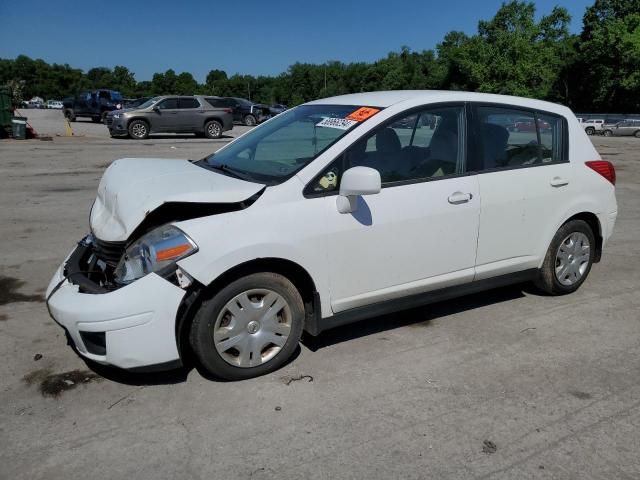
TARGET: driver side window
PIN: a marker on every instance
(422, 145)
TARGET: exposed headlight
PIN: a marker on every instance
(115, 115)
(155, 251)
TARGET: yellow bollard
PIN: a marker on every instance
(68, 132)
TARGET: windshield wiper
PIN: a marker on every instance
(232, 172)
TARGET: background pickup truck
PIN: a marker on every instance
(592, 125)
(94, 104)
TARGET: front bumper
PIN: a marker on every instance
(138, 320)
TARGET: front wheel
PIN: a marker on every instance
(637, 134)
(569, 259)
(608, 133)
(590, 130)
(139, 129)
(213, 129)
(250, 121)
(249, 328)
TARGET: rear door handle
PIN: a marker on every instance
(559, 182)
(457, 198)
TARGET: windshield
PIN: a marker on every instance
(278, 149)
(116, 96)
(148, 103)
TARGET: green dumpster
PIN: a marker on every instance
(6, 112)
(19, 126)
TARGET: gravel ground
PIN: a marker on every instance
(505, 384)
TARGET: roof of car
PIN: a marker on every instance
(387, 98)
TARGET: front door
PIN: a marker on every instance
(419, 233)
(165, 117)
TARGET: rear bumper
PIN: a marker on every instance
(136, 322)
(607, 224)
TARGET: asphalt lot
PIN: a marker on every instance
(506, 384)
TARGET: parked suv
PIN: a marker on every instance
(171, 114)
(330, 213)
(244, 111)
(94, 104)
(626, 128)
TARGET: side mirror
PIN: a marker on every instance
(156, 109)
(355, 182)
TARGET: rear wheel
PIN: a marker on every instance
(249, 328)
(608, 133)
(139, 129)
(637, 134)
(250, 120)
(590, 130)
(569, 259)
(213, 129)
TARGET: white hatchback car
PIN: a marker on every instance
(331, 212)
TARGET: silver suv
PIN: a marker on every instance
(625, 128)
(171, 114)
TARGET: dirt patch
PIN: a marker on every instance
(489, 447)
(53, 384)
(290, 380)
(581, 395)
(67, 189)
(4, 317)
(9, 293)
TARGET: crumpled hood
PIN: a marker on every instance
(131, 188)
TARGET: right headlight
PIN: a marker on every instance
(157, 250)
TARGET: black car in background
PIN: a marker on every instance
(244, 111)
(94, 104)
(277, 108)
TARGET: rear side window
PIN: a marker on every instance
(215, 102)
(511, 137)
(188, 103)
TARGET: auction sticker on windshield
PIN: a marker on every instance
(362, 114)
(339, 123)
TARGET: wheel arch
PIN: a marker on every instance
(295, 273)
(592, 220)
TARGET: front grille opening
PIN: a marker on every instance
(95, 342)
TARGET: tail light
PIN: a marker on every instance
(604, 168)
(228, 110)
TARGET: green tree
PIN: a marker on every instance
(607, 73)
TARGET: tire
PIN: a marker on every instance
(608, 133)
(225, 340)
(70, 115)
(590, 130)
(567, 262)
(103, 118)
(138, 129)
(636, 134)
(213, 129)
(250, 121)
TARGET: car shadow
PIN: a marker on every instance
(415, 317)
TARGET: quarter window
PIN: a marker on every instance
(425, 144)
(513, 138)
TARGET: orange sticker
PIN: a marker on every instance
(362, 114)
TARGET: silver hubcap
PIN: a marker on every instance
(572, 259)
(252, 328)
(139, 130)
(214, 129)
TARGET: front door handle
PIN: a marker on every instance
(457, 198)
(559, 182)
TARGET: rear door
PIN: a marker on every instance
(524, 177)
(419, 233)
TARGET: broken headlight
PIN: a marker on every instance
(155, 251)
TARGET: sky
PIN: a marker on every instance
(258, 37)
